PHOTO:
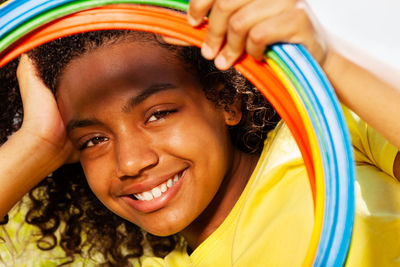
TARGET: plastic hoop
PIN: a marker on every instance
(289, 88)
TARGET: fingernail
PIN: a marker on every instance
(221, 63)
(193, 21)
(207, 52)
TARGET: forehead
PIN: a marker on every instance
(118, 69)
(116, 62)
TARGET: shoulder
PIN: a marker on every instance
(277, 214)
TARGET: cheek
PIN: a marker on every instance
(193, 138)
(97, 173)
(205, 144)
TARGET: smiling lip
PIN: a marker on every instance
(155, 198)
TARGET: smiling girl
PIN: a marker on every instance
(173, 145)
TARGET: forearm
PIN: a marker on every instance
(369, 89)
(24, 163)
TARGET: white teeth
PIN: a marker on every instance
(170, 183)
(158, 190)
(147, 196)
(164, 188)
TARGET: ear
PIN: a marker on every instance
(233, 113)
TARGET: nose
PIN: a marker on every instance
(134, 154)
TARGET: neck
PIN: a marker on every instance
(228, 194)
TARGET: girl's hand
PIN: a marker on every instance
(42, 122)
(39, 147)
(237, 26)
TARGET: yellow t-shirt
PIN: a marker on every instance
(271, 223)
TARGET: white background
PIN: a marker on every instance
(372, 25)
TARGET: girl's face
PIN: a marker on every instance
(153, 148)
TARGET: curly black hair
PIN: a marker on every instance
(63, 201)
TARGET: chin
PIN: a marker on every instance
(165, 229)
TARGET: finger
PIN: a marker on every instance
(27, 75)
(198, 9)
(24, 71)
(219, 17)
(28, 79)
(238, 27)
(35, 94)
(291, 26)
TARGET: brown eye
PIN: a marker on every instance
(93, 141)
(160, 114)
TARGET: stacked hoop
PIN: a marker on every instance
(290, 79)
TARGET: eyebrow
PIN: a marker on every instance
(131, 103)
(73, 124)
(149, 91)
